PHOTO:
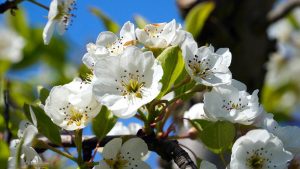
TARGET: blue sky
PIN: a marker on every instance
(86, 27)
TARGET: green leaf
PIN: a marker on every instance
(43, 94)
(172, 63)
(217, 136)
(197, 17)
(184, 88)
(46, 126)
(4, 154)
(108, 23)
(140, 21)
(19, 22)
(103, 122)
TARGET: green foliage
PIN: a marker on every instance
(273, 100)
(4, 154)
(103, 122)
(43, 94)
(184, 88)
(172, 63)
(140, 21)
(109, 24)
(217, 136)
(19, 23)
(46, 126)
(197, 17)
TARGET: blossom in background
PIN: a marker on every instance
(121, 129)
(59, 17)
(11, 45)
(259, 149)
(28, 156)
(160, 35)
(232, 103)
(265, 121)
(124, 156)
(108, 44)
(206, 66)
(289, 135)
(72, 105)
(125, 83)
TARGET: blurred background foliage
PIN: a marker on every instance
(266, 55)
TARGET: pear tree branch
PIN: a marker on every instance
(167, 149)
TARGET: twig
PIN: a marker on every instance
(167, 149)
(282, 10)
(9, 5)
(39, 4)
(7, 134)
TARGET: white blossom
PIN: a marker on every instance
(232, 103)
(28, 156)
(266, 121)
(160, 35)
(121, 129)
(124, 156)
(206, 66)
(59, 17)
(72, 105)
(11, 45)
(195, 112)
(259, 149)
(109, 44)
(125, 83)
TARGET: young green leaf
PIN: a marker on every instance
(217, 136)
(103, 122)
(197, 17)
(46, 126)
(140, 21)
(19, 22)
(4, 154)
(43, 94)
(172, 63)
(108, 23)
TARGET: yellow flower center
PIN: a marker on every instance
(256, 162)
(133, 87)
(119, 163)
(76, 117)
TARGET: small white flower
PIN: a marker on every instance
(108, 44)
(126, 156)
(121, 129)
(259, 149)
(11, 45)
(28, 156)
(125, 83)
(289, 135)
(160, 35)
(72, 105)
(206, 66)
(266, 121)
(59, 17)
(207, 165)
(195, 112)
(232, 103)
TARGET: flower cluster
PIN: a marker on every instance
(127, 78)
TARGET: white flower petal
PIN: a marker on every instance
(137, 164)
(134, 149)
(112, 148)
(48, 31)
